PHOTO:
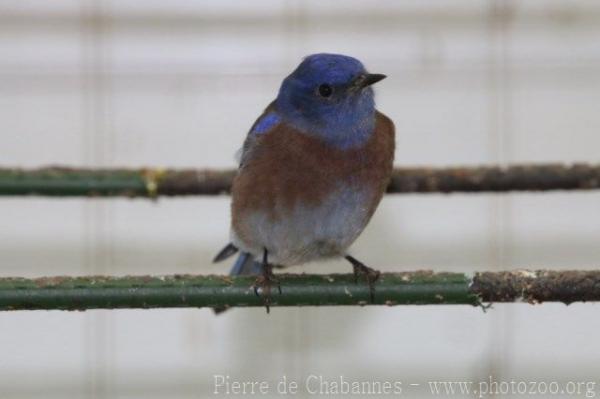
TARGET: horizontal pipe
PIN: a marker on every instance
(407, 288)
(153, 182)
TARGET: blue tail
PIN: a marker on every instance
(245, 265)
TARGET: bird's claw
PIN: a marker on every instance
(371, 275)
(264, 283)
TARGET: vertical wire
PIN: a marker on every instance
(98, 149)
(499, 92)
(299, 336)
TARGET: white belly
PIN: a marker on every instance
(307, 233)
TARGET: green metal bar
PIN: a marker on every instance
(72, 182)
(408, 288)
(153, 182)
(81, 293)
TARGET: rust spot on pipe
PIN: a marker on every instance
(538, 286)
(186, 182)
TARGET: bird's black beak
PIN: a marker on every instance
(367, 79)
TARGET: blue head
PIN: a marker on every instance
(329, 96)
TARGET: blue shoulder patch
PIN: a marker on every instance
(265, 123)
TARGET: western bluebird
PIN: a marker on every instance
(313, 169)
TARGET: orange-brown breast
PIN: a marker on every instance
(289, 168)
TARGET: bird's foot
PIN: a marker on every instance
(264, 283)
(371, 275)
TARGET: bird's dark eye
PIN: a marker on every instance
(325, 90)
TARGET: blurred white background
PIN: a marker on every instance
(178, 83)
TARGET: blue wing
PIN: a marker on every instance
(265, 123)
(245, 264)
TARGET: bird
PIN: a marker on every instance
(312, 171)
